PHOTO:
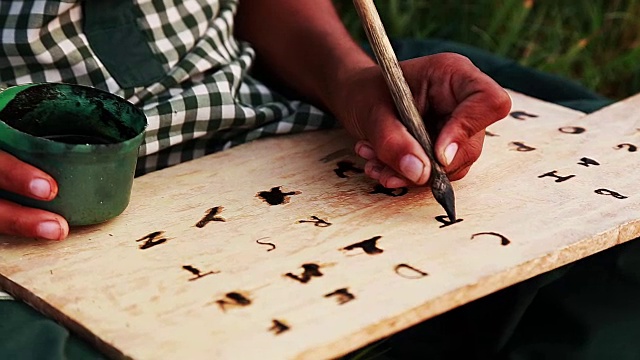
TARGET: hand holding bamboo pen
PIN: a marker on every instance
(404, 101)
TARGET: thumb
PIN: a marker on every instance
(397, 148)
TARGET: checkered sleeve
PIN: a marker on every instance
(206, 99)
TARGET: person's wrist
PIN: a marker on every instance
(345, 87)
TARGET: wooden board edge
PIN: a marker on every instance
(41, 306)
(490, 284)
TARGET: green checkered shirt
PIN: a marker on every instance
(175, 59)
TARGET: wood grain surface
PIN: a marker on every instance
(283, 284)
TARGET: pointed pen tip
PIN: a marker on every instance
(443, 193)
(450, 208)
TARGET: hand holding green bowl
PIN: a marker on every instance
(86, 139)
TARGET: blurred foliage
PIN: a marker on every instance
(596, 42)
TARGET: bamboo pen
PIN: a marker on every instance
(404, 101)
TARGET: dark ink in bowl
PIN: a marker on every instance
(78, 139)
(85, 138)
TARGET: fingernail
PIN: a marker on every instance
(375, 172)
(365, 152)
(394, 182)
(40, 188)
(411, 167)
(49, 230)
(450, 153)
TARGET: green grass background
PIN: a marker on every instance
(595, 42)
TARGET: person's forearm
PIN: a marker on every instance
(303, 43)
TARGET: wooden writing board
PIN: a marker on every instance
(283, 249)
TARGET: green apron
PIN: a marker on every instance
(586, 310)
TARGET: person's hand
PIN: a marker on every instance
(24, 179)
(456, 100)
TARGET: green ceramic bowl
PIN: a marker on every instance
(85, 138)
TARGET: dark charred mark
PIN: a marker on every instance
(153, 235)
(630, 147)
(197, 272)
(490, 134)
(335, 155)
(212, 215)
(586, 162)
(238, 298)
(379, 189)
(608, 192)
(316, 222)
(272, 245)
(559, 178)
(503, 240)
(572, 130)
(417, 274)
(347, 166)
(152, 240)
(151, 243)
(445, 221)
(521, 146)
(368, 246)
(343, 296)
(275, 196)
(522, 115)
(233, 299)
(191, 269)
(310, 270)
(278, 327)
